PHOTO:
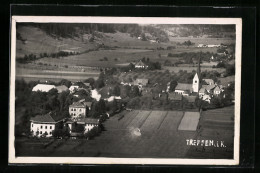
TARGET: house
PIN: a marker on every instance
(217, 90)
(43, 125)
(73, 88)
(87, 85)
(79, 109)
(141, 65)
(209, 81)
(62, 88)
(43, 87)
(206, 98)
(202, 92)
(87, 123)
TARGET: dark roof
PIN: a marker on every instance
(208, 87)
(174, 96)
(183, 86)
(78, 105)
(47, 118)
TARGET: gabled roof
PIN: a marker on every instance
(184, 87)
(208, 87)
(87, 84)
(208, 81)
(43, 87)
(78, 105)
(140, 63)
(217, 88)
(47, 118)
(61, 88)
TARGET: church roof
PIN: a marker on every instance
(184, 86)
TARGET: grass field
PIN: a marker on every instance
(217, 125)
(189, 121)
(151, 134)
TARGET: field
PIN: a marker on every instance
(142, 134)
(218, 125)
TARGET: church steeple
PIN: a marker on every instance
(196, 78)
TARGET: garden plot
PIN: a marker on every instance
(189, 121)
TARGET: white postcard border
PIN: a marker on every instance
(140, 20)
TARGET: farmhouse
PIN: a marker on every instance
(43, 125)
(141, 65)
(79, 109)
(61, 88)
(43, 87)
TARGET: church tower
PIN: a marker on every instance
(196, 79)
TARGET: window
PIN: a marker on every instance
(40, 132)
(74, 109)
(41, 127)
(71, 109)
(195, 81)
(45, 127)
(50, 127)
(80, 110)
(32, 125)
(46, 133)
(50, 133)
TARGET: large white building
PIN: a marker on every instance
(43, 87)
(44, 125)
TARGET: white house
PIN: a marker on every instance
(43, 87)
(79, 109)
(73, 88)
(43, 125)
(217, 90)
(140, 64)
(206, 98)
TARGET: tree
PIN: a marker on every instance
(134, 91)
(116, 90)
(99, 83)
(65, 82)
(91, 81)
(230, 69)
(173, 84)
